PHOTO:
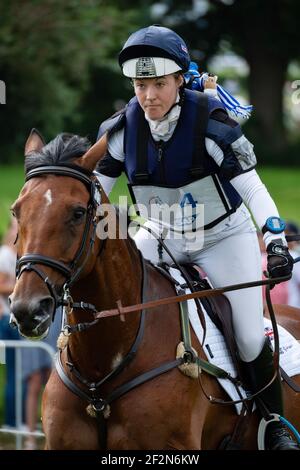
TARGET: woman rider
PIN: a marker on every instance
(176, 144)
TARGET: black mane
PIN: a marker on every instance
(62, 150)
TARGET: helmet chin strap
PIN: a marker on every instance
(178, 102)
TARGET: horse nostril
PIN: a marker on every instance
(47, 305)
(33, 311)
(12, 321)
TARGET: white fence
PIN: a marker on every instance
(18, 431)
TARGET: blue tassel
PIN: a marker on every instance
(196, 81)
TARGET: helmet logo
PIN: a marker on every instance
(145, 67)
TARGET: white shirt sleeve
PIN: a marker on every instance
(253, 192)
(107, 182)
(115, 148)
(116, 145)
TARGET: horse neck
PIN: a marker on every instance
(117, 275)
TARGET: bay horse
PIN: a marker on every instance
(57, 246)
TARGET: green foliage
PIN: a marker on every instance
(59, 62)
(108, 92)
(267, 35)
(271, 25)
(47, 54)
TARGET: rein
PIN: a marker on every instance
(120, 310)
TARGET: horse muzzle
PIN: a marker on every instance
(33, 318)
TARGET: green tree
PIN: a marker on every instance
(47, 52)
(265, 33)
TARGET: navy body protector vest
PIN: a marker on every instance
(183, 158)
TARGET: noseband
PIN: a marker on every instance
(72, 271)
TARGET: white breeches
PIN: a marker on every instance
(233, 259)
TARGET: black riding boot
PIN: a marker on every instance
(259, 373)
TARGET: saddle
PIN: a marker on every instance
(218, 307)
(219, 310)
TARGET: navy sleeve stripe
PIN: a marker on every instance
(222, 116)
(111, 125)
(109, 166)
(222, 133)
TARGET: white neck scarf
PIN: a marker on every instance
(162, 129)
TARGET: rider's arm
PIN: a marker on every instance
(111, 165)
(256, 196)
(237, 159)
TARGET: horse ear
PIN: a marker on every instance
(94, 154)
(34, 143)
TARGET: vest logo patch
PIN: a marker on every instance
(189, 210)
(188, 197)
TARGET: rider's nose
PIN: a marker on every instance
(151, 93)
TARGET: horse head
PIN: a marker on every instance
(56, 215)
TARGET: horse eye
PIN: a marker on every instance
(79, 213)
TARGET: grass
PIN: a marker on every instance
(284, 186)
(2, 385)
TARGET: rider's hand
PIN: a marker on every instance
(280, 262)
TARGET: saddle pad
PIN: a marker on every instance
(217, 352)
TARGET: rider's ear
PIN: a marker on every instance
(90, 159)
(34, 143)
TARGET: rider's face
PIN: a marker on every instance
(157, 95)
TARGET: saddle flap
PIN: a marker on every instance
(219, 310)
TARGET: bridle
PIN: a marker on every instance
(72, 271)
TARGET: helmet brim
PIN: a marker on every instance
(149, 67)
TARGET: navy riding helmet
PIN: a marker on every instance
(156, 41)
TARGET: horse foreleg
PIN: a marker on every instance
(65, 421)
